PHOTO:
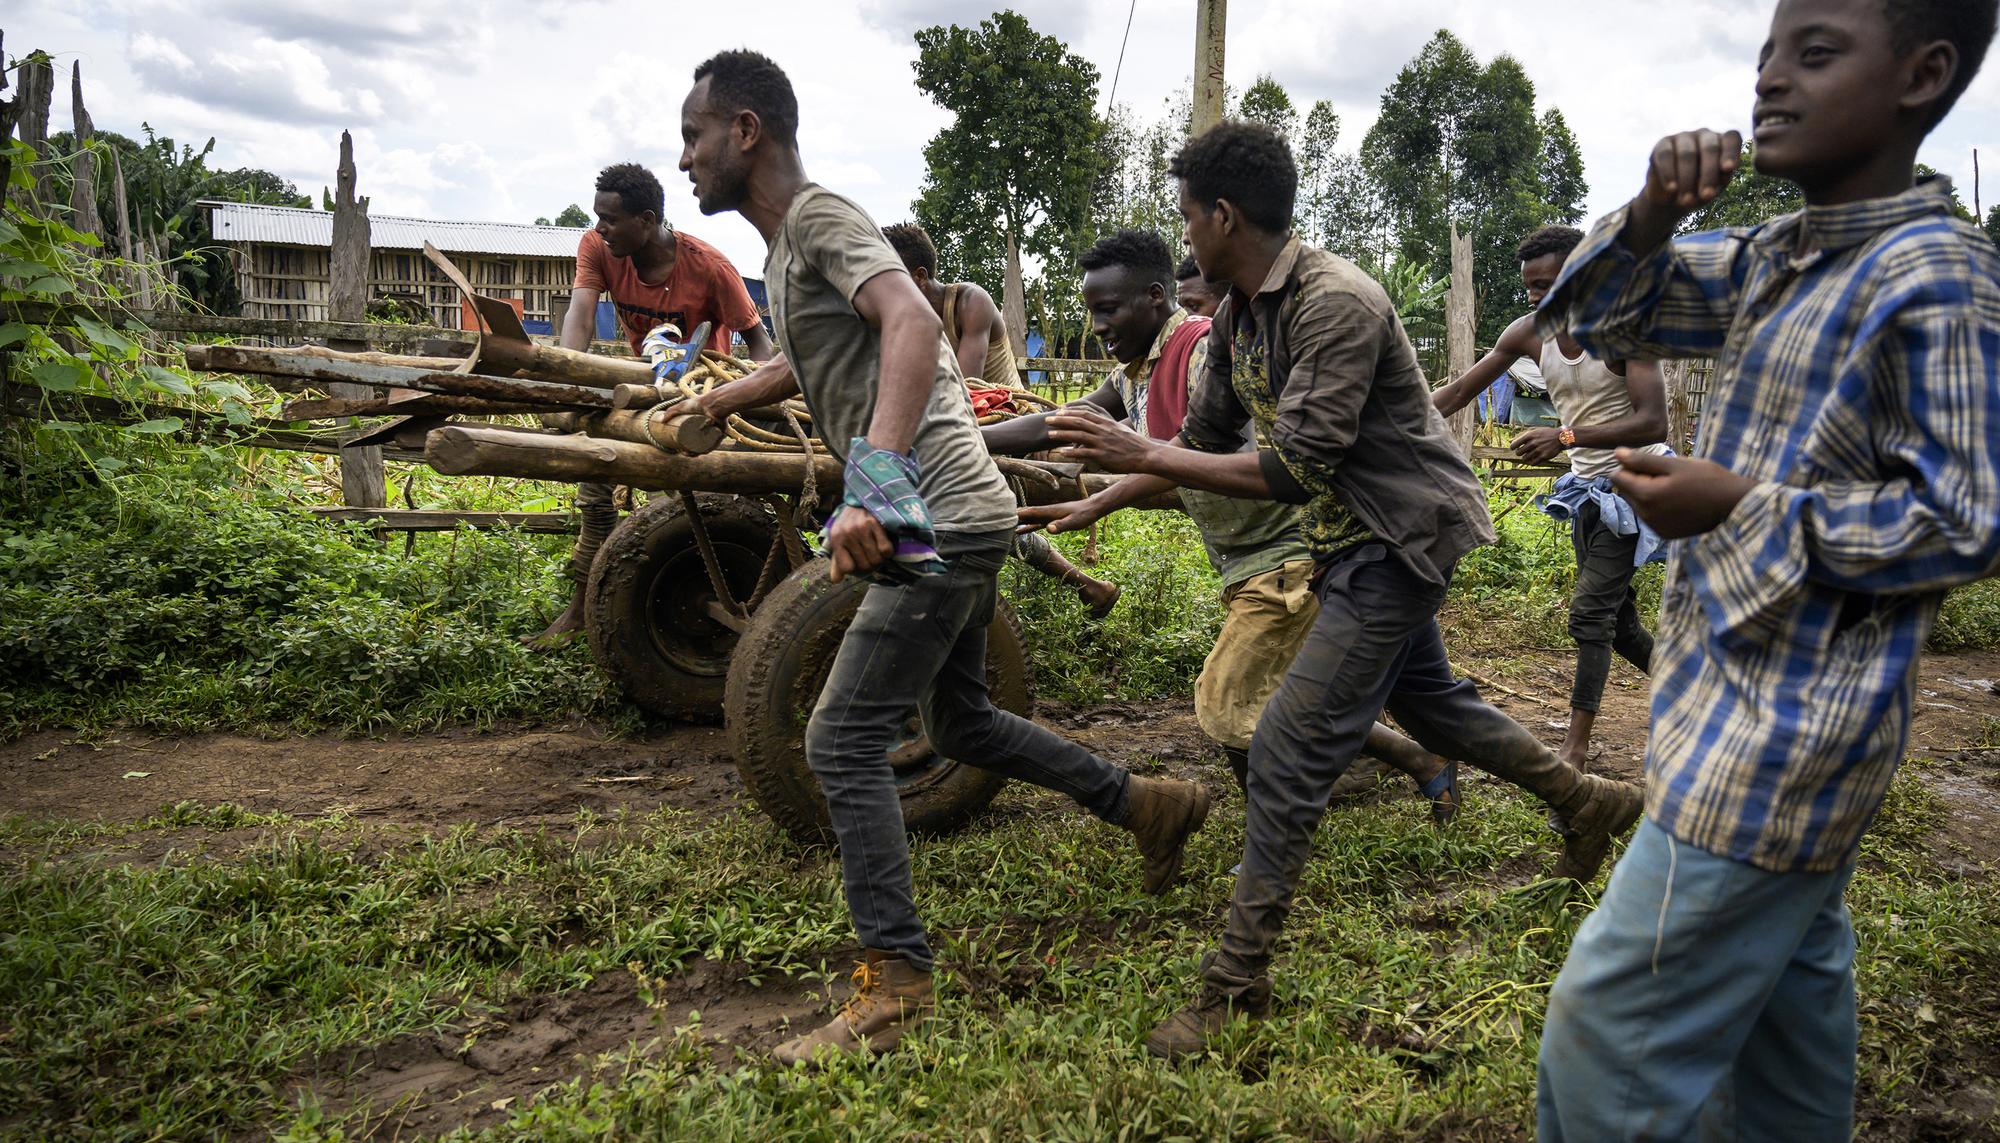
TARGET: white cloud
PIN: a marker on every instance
(508, 110)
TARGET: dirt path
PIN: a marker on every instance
(471, 1074)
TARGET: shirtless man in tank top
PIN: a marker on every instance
(979, 341)
(1603, 405)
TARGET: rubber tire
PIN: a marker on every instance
(775, 680)
(644, 605)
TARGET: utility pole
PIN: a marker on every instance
(1210, 17)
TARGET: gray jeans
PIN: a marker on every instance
(1375, 644)
(1603, 611)
(922, 647)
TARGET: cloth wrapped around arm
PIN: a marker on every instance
(884, 485)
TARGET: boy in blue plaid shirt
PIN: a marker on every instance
(1847, 476)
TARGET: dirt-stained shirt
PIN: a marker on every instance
(1317, 359)
(702, 286)
(825, 250)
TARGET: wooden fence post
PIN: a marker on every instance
(83, 216)
(1675, 375)
(1460, 333)
(37, 79)
(362, 481)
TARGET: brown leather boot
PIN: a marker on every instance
(1188, 1031)
(891, 996)
(1594, 809)
(1162, 814)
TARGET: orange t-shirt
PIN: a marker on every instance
(702, 286)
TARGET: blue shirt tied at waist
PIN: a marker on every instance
(1571, 494)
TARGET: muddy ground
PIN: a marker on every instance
(469, 1075)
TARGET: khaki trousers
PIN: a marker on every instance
(1266, 618)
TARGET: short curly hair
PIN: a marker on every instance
(1247, 163)
(743, 80)
(1967, 25)
(1548, 240)
(913, 245)
(1140, 250)
(637, 190)
(1187, 269)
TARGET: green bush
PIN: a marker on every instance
(169, 596)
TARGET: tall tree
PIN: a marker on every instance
(1266, 101)
(1458, 141)
(1015, 171)
(1993, 225)
(1315, 150)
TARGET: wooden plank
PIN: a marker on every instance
(423, 520)
(363, 483)
(324, 408)
(25, 399)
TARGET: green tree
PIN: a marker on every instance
(1314, 148)
(1267, 102)
(1020, 163)
(574, 216)
(1458, 141)
(1993, 225)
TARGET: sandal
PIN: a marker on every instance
(1442, 792)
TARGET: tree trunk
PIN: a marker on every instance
(1460, 333)
(1014, 298)
(83, 167)
(1675, 374)
(363, 484)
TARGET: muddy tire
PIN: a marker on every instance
(646, 604)
(781, 663)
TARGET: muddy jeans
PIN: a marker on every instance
(1603, 611)
(922, 647)
(1375, 644)
(1704, 998)
(1265, 619)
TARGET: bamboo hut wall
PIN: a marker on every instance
(290, 282)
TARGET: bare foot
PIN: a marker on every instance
(561, 633)
(1099, 595)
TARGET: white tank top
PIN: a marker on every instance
(1586, 392)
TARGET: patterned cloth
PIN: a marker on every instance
(1858, 382)
(884, 485)
(1572, 492)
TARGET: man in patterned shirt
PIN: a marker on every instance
(1308, 349)
(1848, 474)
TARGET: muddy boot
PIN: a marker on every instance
(1162, 814)
(890, 998)
(1593, 809)
(1221, 1001)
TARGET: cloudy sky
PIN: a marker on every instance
(505, 110)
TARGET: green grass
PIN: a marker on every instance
(176, 1000)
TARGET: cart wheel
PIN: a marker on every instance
(774, 681)
(648, 604)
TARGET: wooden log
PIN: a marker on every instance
(469, 450)
(322, 408)
(689, 434)
(554, 363)
(36, 75)
(324, 365)
(418, 520)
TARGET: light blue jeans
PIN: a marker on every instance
(1704, 999)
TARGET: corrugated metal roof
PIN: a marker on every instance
(296, 226)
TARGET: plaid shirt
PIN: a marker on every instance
(1858, 382)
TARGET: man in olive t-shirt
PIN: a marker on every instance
(925, 516)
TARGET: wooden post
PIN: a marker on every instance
(83, 215)
(10, 110)
(362, 481)
(1210, 20)
(1460, 332)
(1675, 374)
(37, 79)
(1014, 301)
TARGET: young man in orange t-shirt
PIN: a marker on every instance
(654, 274)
